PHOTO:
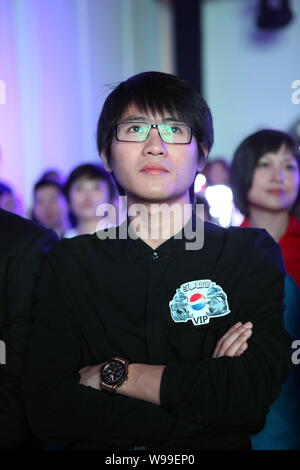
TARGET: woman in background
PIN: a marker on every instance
(265, 179)
(86, 188)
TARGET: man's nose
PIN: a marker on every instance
(154, 144)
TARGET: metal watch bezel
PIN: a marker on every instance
(113, 384)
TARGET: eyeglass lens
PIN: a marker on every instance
(138, 132)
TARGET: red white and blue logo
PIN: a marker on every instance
(198, 301)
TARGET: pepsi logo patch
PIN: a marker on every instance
(198, 301)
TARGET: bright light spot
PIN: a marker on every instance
(220, 200)
(200, 181)
(2, 92)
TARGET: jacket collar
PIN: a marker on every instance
(195, 235)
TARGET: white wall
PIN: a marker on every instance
(57, 58)
(247, 72)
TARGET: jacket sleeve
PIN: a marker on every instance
(60, 409)
(237, 392)
(21, 277)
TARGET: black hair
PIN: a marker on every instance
(43, 183)
(90, 171)
(159, 93)
(5, 189)
(201, 199)
(52, 175)
(245, 161)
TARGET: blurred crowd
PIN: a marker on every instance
(260, 188)
(66, 205)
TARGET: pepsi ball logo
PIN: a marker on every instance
(197, 301)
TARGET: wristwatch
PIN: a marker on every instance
(113, 374)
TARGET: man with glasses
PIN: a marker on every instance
(170, 133)
(142, 339)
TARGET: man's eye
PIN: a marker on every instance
(135, 129)
(173, 129)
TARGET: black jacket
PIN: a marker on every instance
(101, 298)
(22, 248)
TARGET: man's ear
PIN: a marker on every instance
(105, 162)
(204, 155)
(204, 150)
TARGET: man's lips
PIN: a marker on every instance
(154, 169)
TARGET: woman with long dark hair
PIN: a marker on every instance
(265, 179)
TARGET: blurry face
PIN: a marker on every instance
(86, 195)
(218, 174)
(50, 207)
(8, 202)
(153, 171)
(275, 183)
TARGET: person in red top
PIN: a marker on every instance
(265, 179)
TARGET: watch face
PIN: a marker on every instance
(113, 372)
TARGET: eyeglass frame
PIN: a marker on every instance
(152, 126)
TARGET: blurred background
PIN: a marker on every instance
(60, 58)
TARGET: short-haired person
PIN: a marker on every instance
(141, 340)
(50, 206)
(265, 179)
(87, 187)
(23, 246)
(52, 175)
(217, 171)
(8, 199)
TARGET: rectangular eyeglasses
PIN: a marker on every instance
(171, 133)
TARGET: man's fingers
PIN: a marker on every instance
(89, 376)
(230, 331)
(225, 336)
(237, 344)
(230, 337)
(242, 349)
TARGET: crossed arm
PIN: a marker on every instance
(144, 380)
(217, 392)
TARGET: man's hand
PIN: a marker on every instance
(90, 377)
(144, 379)
(234, 342)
